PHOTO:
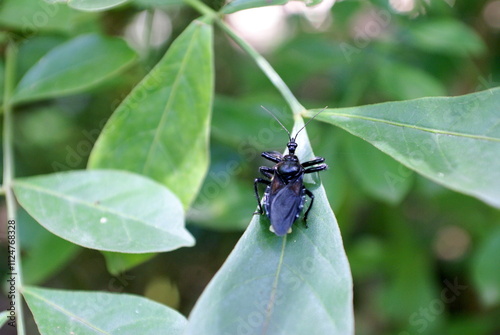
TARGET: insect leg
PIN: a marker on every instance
(267, 171)
(262, 181)
(273, 156)
(311, 195)
(320, 167)
(315, 161)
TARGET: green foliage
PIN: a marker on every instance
(100, 313)
(140, 136)
(446, 147)
(105, 209)
(171, 134)
(62, 72)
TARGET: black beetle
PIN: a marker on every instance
(285, 193)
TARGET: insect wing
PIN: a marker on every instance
(285, 205)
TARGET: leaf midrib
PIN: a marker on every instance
(405, 125)
(89, 204)
(171, 97)
(66, 312)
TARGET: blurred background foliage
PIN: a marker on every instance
(424, 259)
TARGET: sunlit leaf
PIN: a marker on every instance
(91, 5)
(161, 129)
(106, 210)
(78, 312)
(453, 141)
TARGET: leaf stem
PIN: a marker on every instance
(264, 65)
(8, 176)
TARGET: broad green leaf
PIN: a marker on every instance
(34, 16)
(452, 141)
(117, 262)
(91, 5)
(486, 274)
(379, 175)
(237, 5)
(106, 210)
(298, 284)
(74, 66)
(161, 129)
(44, 253)
(79, 312)
(446, 36)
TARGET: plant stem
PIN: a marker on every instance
(8, 176)
(268, 70)
(264, 65)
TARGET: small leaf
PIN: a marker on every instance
(447, 36)
(91, 5)
(378, 174)
(299, 284)
(74, 66)
(117, 262)
(106, 210)
(161, 129)
(486, 274)
(78, 312)
(452, 141)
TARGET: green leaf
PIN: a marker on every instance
(452, 141)
(78, 312)
(34, 16)
(486, 274)
(157, 3)
(237, 5)
(74, 66)
(161, 129)
(447, 36)
(91, 5)
(117, 262)
(298, 284)
(106, 210)
(43, 252)
(378, 174)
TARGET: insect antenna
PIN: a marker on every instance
(281, 124)
(297, 133)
